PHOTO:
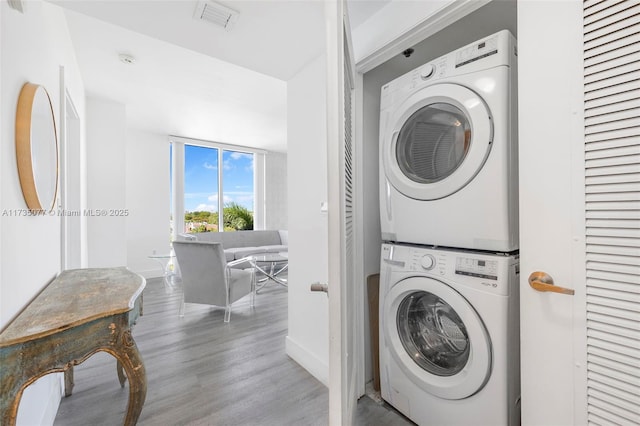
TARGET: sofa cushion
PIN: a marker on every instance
(241, 252)
(275, 249)
(229, 254)
(240, 244)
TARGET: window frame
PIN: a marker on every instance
(178, 144)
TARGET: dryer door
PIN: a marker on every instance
(436, 141)
(437, 338)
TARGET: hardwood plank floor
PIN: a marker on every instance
(201, 371)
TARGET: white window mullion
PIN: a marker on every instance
(177, 188)
(259, 190)
(220, 194)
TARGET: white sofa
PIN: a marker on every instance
(241, 244)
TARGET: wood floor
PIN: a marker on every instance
(201, 371)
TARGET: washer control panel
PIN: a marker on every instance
(474, 267)
(495, 273)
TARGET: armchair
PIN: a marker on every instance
(208, 278)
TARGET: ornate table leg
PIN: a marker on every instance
(9, 401)
(121, 376)
(68, 381)
(126, 352)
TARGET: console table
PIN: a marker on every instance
(81, 312)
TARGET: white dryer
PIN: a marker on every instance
(449, 335)
(448, 150)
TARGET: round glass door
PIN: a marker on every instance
(436, 141)
(433, 334)
(433, 143)
(436, 337)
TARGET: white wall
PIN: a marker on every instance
(276, 206)
(106, 183)
(33, 47)
(308, 338)
(147, 200)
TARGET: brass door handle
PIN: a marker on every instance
(541, 281)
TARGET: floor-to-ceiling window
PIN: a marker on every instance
(213, 187)
(201, 183)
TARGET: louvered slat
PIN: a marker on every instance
(592, 44)
(613, 242)
(621, 324)
(615, 47)
(594, 6)
(612, 209)
(618, 196)
(610, 16)
(614, 250)
(626, 396)
(634, 259)
(630, 96)
(597, 378)
(612, 276)
(348, 149)
(612, 59)
(620, 331)
(614, 28)
(614, 116)
(616, 151)
(613, 90)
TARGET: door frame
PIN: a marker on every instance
(69, 113)
(447, 15)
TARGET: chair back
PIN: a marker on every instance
(202, 266)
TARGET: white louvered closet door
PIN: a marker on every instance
(612, 190)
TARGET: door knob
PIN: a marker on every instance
(541, 281)
(320, 287)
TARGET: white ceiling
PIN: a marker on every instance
(194, 79)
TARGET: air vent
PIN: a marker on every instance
(216, 14)
(16, 4)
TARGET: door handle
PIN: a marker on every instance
(541, 281)
(320, 287)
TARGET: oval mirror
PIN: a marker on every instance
(37, 147)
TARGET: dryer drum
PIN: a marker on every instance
(433, 143)
(433, 334)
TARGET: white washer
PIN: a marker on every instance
(448, 150)
(449, 335)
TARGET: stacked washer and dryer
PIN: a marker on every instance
(449, 316)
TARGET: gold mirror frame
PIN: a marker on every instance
(37, 147)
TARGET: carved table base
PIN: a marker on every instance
(24, 363)
(81, 312)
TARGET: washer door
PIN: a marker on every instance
(437, 338)
(437, 141)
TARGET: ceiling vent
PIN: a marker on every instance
(17, 5)
(216, 14)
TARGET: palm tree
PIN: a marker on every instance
(237, 217)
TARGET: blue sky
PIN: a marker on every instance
(201, 178)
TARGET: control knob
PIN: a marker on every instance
(427, 71)
(427, 262)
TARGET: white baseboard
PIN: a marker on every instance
(310, 362)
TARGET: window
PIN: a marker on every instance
(213, 187)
